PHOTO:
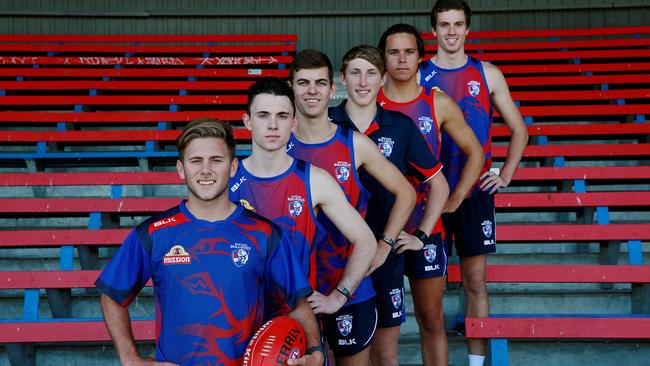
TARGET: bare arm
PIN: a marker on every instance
(305, 316)
(452, 121)
(368, 156)
(328, 196)
(118, 323)
(436, 200)
(503, 103)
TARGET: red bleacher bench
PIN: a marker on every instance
(499, 329)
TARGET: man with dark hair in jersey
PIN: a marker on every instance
(292, 192)
(477, 87)
(432, 112)
(342, 152)
(363, 72)
(202, 255)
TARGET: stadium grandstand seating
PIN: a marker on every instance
(87, 130)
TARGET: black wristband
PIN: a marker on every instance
(420, 235)
(318, 348)
(389, 241)
(344, 291)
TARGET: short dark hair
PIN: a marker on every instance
(311, 59)
(446, 5)
(401, 28)
(269, 85)
(204, 128)
(364, 52)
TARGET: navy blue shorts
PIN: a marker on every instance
(388, 281)
(428, 262)
(351, 329)
(472, 226)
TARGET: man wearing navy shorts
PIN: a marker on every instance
(478, 87)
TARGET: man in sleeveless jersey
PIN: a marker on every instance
(432, 112)
(363, 74)
(342, 152)
(212, 264)
(477, 87)
(291, 192)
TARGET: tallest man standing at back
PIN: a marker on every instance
(477, 87)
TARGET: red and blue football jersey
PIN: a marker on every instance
(468, 86)
(210, 281)
(422, 112)
(336, 156)
(286, 200)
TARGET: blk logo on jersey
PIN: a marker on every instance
(239, 254)
(342, 171)
(236, 185)
(396, 298)
(474, 88)
(177, 255)
(487, 228)
(385, 145)
(425, 124)
(430, 253)
(295, 205)
(344, 323)
(432, 74)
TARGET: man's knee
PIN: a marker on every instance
(475, 287)
(384, 356)
(431, 322)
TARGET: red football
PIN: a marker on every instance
(276, 341)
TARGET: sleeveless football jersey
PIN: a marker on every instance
(422, 113)
(336, 156)
(468, 86)
(210, 281)
(286, 200)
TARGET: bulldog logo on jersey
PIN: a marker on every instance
(295, 205)
(385, 145)
(487, 228)
(344, 323)
(239, 254)
(474, 87)
(342, 171)
(430, 253)
(396, 298)
(425, 124)
(177, 255)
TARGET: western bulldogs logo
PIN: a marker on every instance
(487, 228)
(239, 254)
(385, 145)
(342, 171)
(430, 253)
(295, 205)
(474, 87)
(396, 298)
(344, 323)
(425, 124)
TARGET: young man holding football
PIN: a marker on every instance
(213, 265)
(478, 87)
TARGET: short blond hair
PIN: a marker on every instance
(365, 52)
(203, 128)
